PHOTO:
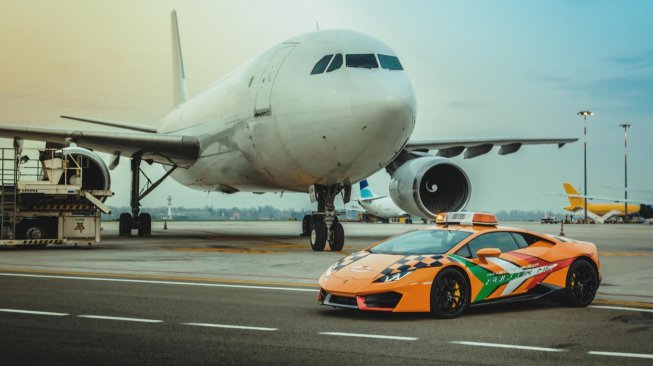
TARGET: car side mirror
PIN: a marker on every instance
(484, 253)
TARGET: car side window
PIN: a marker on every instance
(524, 239)
(464, 252)
(500, 240)
(521, 241)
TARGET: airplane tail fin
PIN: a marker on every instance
(571, 191)
(365, 190)
(179, 80)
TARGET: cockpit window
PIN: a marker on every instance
(336, 63)
(367, 61)
(390, 62)
(321, 65)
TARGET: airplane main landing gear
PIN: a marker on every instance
(322, 226)
(138, 220)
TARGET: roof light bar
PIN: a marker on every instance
(466, 218)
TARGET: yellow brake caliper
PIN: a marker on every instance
(454, 303)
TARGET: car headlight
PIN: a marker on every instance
(394, 277)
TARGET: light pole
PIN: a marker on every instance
(625, 126)
(585, 114)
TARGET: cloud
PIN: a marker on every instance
(642, 60)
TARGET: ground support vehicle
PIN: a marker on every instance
(51, 196)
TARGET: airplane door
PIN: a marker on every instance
(262, 106)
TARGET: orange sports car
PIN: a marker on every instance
(466, 259)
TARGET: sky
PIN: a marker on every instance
(479, 69)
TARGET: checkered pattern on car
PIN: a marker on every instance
(411, 263)
(349, 260)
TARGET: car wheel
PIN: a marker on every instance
(318, 236)
(582, 283)
(450, 294)
(337, 237)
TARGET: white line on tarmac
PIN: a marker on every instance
(32, 312)
(378, 336)
(513, 346)
(209, 325)
(619, 354)
(160, 282)
(621, 308)
(102, 317)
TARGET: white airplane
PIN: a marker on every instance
(380, 206)
(313, 114)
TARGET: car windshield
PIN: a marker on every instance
(421, 242)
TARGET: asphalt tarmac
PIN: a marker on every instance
(245, 293)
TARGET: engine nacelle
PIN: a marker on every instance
(427, 186)
(94, 172)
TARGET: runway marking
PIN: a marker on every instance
(361, 335)
(226, 326)
(619, 354)
(166, 278)
(102, 317)
(624, 254)
(621, 308)
(201, 284)
(512, 346)
(32, 312)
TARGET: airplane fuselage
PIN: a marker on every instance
(382, 207)
(271, 125)
(602, 209)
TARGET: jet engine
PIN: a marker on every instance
(426, 186)
(76, 165)
(646, 211)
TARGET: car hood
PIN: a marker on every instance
(368, 267)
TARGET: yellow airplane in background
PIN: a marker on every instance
(599, 212)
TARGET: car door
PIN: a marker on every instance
(501, 275)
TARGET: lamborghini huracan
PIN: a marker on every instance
(465, 260)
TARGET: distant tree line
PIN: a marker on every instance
(519, 215)
(213, 213)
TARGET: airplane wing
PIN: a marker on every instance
(476, 147)
(161, 148)
(595, 198)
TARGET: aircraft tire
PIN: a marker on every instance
(307, 222)
(144, 224)
(125, 224)
(338, 235)
(318, 236)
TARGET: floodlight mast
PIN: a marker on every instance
(585, 114)
(625, 126)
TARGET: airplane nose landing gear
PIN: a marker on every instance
(323, 226)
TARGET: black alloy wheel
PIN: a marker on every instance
(318, 236)
(582, 283)
(450, 294)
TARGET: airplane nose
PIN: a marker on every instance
(388, 111)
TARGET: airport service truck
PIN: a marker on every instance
(51, 196)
